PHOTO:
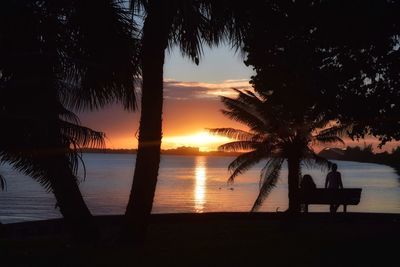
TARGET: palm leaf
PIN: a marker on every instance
(270, 176)
(100, 55)
(238, 146)
(311, 159)
(243, 113)
(244, 162)
(82, 136)
(328, 139)
(233, 133)
(338, 130)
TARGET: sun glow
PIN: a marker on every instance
(203, 140)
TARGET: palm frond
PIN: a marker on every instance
(248, 98)
(311, 159)
(270, 176)
(328, 139)
(69, 115)
(189, 28)
(28, 163)
(100, 56)
(238, 146)
(243, 113)
(338, 130)
(244, 162)
(320, 122)
(228, 22)
(82, 136)
(232, 133)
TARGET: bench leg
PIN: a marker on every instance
(344, 208)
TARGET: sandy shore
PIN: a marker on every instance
(216, 239)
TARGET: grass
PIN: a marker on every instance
(223, 239)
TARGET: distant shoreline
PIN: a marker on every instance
(335, 154)
(175, 152)
(364, 155)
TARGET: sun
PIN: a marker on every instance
(203, 140)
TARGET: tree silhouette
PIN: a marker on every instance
(60, 56)
(346, 66)
(187, 24)
(274, 136)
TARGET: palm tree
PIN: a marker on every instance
(48, 151)
(274, 136)
(187, 24)
(60, 56)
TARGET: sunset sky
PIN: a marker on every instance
(191, 103)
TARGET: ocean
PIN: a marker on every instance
(190, 184)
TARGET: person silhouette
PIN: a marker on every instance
(334, 181)
(307, 185)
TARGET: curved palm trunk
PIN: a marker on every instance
(155, 40)
(293, 181)
(55, 162)
(70, 201)
(33, 97)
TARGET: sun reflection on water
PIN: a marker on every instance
(200, 184)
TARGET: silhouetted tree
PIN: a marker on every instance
(307, 59)
(274, 135)
(187, 24)
(347, 66)
(60, 55)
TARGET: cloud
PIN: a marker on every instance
(179, 90)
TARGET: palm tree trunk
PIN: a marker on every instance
(53, 159)
(53, 156)
(69, 199)
(155, 40)
(293, 181)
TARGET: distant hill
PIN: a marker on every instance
(332, 153)
(108, 151)
(364, 154)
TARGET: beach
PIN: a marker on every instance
(216, 239)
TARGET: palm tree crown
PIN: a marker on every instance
(274, 137)
(58, 57)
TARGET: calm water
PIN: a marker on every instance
(189, 184)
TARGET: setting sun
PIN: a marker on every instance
(203, 140)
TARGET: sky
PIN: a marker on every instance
(191, 103)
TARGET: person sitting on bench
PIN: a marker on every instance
(307, 185)
(334, 181)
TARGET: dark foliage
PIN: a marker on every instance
(56, 56)
(341, 57)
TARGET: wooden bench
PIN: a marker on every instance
(327, 196)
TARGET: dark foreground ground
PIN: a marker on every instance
(217, 239)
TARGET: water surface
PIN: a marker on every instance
(190, 184)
